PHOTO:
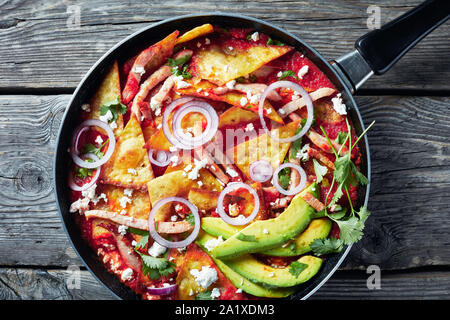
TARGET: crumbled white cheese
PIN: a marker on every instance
(198, 165)
(174, 218)
(339, 105)
(205, 277)
(211, 244)
(269, 111)
(123, 201)
(255, 36)
(281, 111)
(249, 127)
(199, 183)
(128, 192)
(279, 74)
(265, 231)
(102, 196)
(132, 171)
(127, 274)
(230, 84)
(243, 101)
(239, 290)
(254, 98)
(99, 140)
(174, 159)
(134, 243)
(158, 112)
(139, 69)
(173, 149)
(181, 84)
(230, 48)
(86, 107)
(215, 293)
(232, 173)
(199, 90)
(159, 126)
(122, 229)
(107, 117)
(191, 293)
(156, 250)
(90, 192)
(303, 70)
(79, 205)
(271, 274)
(123, 212)
(303, 153)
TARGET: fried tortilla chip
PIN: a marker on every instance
(108, 90)
(129, 165)
(264, 147)
(138, 206)
(203, 199)
(215, 65)
(205, 88)
(236, 115)
(195, 33)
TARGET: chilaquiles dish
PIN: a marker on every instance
(216, 164)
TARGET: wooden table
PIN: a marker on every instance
(42, 60)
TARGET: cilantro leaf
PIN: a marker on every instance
(295, 268)
(142, 243)
(115, 106)
(288, 73)
(252, 78)
(183, 72)
(296, 145)
(358, 175)
(83, 173)
(179, 61)
(342, 137)
(205, 295)
(138, 231)
(154, 268)
(325, 246)
(320, 170)
(272, 42)
(284, 177)
(190, 219)
(247, 238)
(240, 80)
(350, 229)
(90, 148)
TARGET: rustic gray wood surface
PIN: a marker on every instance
(42, 60)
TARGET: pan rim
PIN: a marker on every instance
(118, 45)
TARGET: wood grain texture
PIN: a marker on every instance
(410, 146)
(40, 50)
(30, 284)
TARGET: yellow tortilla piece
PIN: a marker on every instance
(195, 33)
(129, 165)
(139, 207)
(236, 115)
(232, 97)
(215, 65)
(108, 90)
(264, 147)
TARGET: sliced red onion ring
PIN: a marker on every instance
(111, 146)
(260, 170)
(86, 186)
(173, 244)
(162, 157)
(178, 138)
(77, 139)
(237, 221)
(211, 127)
(305, 96)
(298, 188)
(163, 291)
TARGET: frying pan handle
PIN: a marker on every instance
(380, 49)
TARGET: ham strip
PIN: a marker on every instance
(313, 201)
(257, 89)
(300, 103)
(321, 157)
(174, 227)
(323, 144)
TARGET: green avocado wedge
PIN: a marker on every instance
(257, 272)
(242, 282)
(263, 235)
(317, 229)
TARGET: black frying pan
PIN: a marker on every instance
(375, 53)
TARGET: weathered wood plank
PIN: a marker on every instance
(409, 194)
(22, 283)
(39, 49)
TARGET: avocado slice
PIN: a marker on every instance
(257, 272)
(268, 234)
(242, 282)
(317, 229)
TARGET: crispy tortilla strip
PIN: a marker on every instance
(195, 33)
(236, 115)
(148, 60)
(264, 147)
(97, 229)
(205, 88)
(138, 208)
(313, 201)
(215, 65)
(325, 112)
(203, 199)
(129, 165)
(108, 90)
(141, 224)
